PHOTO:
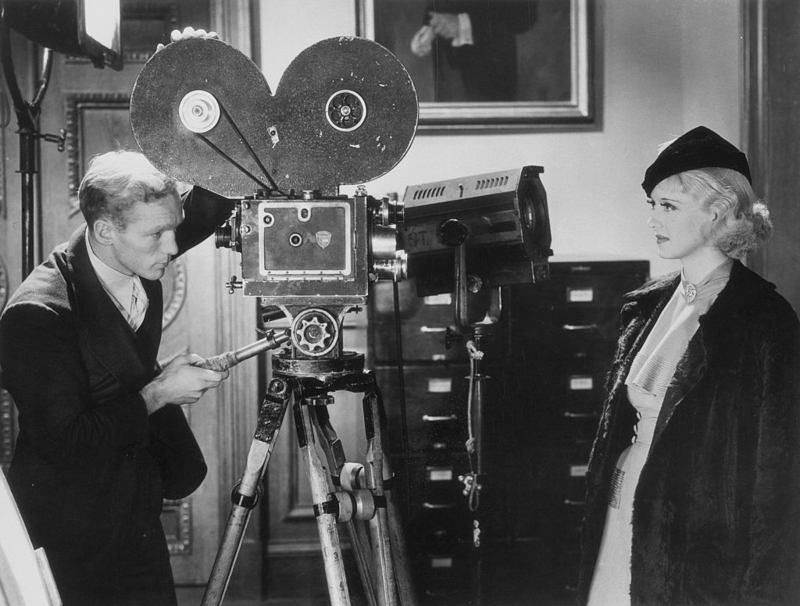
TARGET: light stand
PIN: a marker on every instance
(57, 26)
(477, 309)
(27, 120)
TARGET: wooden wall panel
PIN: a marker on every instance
(772, 88)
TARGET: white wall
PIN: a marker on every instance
(666, 65)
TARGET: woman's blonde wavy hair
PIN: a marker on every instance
(744, 221)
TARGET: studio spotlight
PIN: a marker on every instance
(81, 28)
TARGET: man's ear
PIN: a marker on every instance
(104, 231)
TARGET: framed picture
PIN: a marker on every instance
(491, 63)
(96, 122)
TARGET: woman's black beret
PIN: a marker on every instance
(701, 147)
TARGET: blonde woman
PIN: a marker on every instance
(694, 479)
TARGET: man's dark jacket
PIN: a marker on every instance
(91, 468)
(716, 515)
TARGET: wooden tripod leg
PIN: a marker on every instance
(245, 494)
(379, 524)
(359, 539)
(357, 531)
(326, 517)
(405, 581)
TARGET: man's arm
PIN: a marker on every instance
(44, 370)
(180, 382)
(68, 410)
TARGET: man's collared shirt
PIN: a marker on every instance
(119, 287)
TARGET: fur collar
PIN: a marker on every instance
(744, 292)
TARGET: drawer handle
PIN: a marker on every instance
(439, 419)
(574, 503)
(579, 327)
(432, 329)
(438, 505)
(580, 415)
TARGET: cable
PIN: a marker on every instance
(401, 382)
(474, 487)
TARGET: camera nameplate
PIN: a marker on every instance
(326, 239)
(335, 274)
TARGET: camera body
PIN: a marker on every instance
(314, 250)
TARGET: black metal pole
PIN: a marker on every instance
(27, 118)
(27, 168)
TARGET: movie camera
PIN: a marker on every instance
(345, 112)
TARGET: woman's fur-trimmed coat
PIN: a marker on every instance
(717, 510)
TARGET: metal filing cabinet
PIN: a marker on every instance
(436, 515)
(546, 360)
(562, 334)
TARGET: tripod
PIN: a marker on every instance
(344, 492)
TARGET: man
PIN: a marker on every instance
(102, 437)
(477, 42)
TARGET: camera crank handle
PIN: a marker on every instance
(232, 358)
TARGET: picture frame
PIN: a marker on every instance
(95, 122)
(549, 43)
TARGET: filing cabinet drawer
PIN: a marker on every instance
(435, 498)
(423, 324)
(435, 485)
(563, 332)
(586, 285)
(574, 483)
(580, 302)
(440, 526)
(583, 395)
(435, 406)
(565, 475)
(446, 575)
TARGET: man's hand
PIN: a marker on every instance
(188, 32)
(445, 25)
(422, 42)
(180, 382)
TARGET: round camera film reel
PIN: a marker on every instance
(346, 110)
(199, 111)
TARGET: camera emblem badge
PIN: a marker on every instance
(324, 238)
